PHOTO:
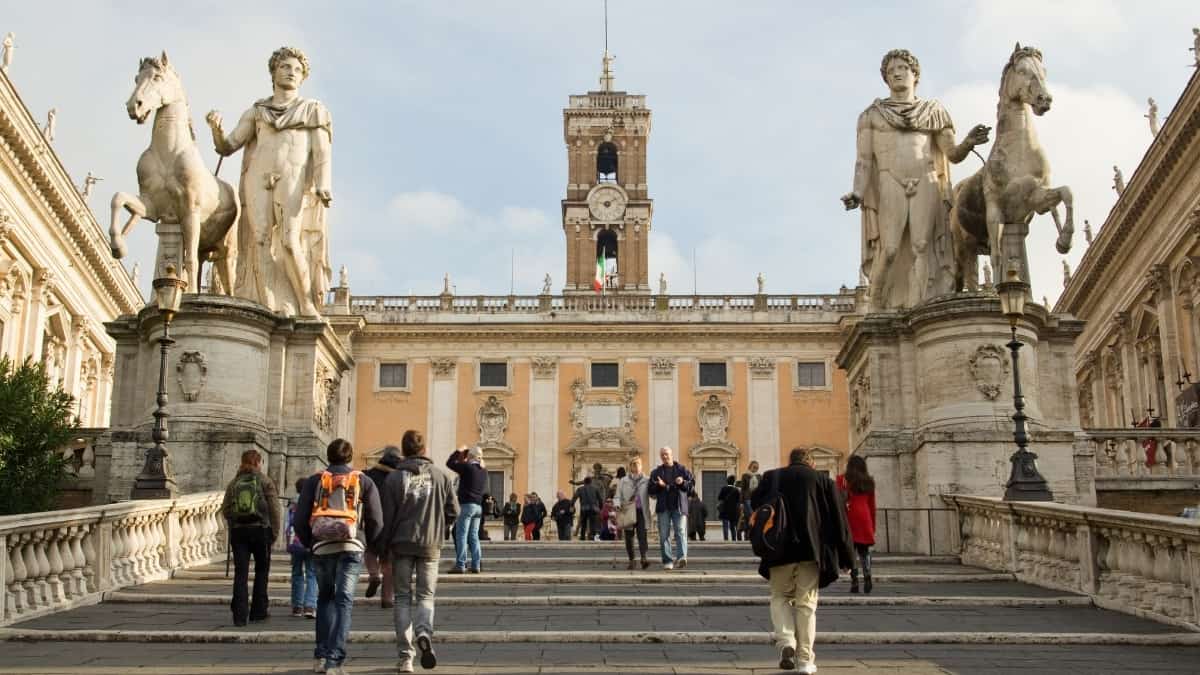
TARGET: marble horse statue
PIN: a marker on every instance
(174, 186)
(1014, 183)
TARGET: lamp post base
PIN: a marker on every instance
(1025, 483)
(154, 482)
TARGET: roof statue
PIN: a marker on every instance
(51, 125)
(9, 46)
(1152, 116)
(1118, 180)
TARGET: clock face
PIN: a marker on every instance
(607, 204)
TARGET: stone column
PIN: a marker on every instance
(1168, 326)
(763, 413)
(443, 406)
(542, 456)
(74, 381)
(1131, 383)
(35, 316)
(664, 404)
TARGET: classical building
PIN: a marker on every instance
(1138, 358)
(551, 385)
(58, 281)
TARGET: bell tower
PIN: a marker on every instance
(607, 210)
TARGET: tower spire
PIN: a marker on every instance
(606, 74)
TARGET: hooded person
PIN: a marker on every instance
(379, 569)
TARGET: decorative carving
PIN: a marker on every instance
(192, 373)
(578, 420)
(860, 402)
(1086, 403)
(662, 366)
(443, 366)
(544, 366)
(1158, 278)
(713, 417)
(628, 391)
(989, 367)
(762, 366)
(325, 396)
(1112, 369)
(492, 419)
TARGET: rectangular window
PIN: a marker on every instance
(493, 374)
(810, 374)
(605, 375)
(496, 488)
(713, 374)
(393, 375)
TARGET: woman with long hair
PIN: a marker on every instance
(858, 488)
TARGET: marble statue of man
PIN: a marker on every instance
(1118, 180)
(1152, 115)
(343, 278)
(89, 182)
(902, 182)
(51, 125)
(761, 283)
(6, 60)
(1195, 48)
(662, 283)
(286, 186)
(546, 283)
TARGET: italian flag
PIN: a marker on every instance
(598, 282)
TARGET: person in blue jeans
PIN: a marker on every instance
(670, 483)
(467, 462)
(304, 574)
(338, 561)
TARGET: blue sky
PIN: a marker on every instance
(448, 150)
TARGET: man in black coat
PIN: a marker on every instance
(818, 546)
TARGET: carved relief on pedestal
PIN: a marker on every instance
(443, 367)
(1112, 368)
(713, 417)
(1086, 403)
(325, 396)
(629, 416)
(492, 419)
(192, 373)
(860, 403)
(544, 366)
(989, 368)
(761, 366)
(662, 366)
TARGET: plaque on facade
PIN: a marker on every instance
(602, 416)
(713, 416)
(989, 368)
(492, 418)
(192, 373)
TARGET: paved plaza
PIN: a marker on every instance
(551, 607)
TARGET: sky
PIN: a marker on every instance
(448, 154)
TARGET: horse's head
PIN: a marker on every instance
(156, 85)
(1024, 80)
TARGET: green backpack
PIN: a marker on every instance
(247, 496)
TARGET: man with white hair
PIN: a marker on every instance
(467, 462)
(670, 483)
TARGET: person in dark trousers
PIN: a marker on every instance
(489, 511)
(729, 504)
(533, 516)
(563, 514)
(418, 498)
(590, 500)
(304, 575)
(331, 500)
(670, 482)
(467, 462)
(697, 514)
(511, 513)
(379, 570)
(252, 515)
(632, 493)
(858, 489)
(817, 547)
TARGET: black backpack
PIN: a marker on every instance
(770, 526)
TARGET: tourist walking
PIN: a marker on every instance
(697, 515)
(489, 511)
(252, 516)
(563, 514)
(418, 498)
(750, 482)
(729, 507)
(630, 500)
(532, 517)
(589, 498)
(467, 462)
(337, 515)
(379, 570)
(670, 483)
(813, 551)
(511, 513)
(304, 574)
(858, 490)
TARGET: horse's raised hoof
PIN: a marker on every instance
(118, 249)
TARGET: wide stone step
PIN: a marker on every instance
(67, 658)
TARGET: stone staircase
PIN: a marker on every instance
(573, 607)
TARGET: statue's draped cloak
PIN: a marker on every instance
(923, 116)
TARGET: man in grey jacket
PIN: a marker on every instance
(418, 500)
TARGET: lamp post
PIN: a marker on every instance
(1025, 483)
(155, 482)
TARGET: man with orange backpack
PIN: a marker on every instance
(337, 514)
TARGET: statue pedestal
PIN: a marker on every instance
(931, 404)
(238, 378)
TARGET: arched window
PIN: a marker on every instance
(606, 163)
(606, 257)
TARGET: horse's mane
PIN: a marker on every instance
(1018, 54)
(157, 63)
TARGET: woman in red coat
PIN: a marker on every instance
(858, 488)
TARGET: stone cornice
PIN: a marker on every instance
(49, 182)
(583, 333)
(1131, 215)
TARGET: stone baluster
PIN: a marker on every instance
(117, 555)
(89, 543)
(16, 600)
(1178, 579)
(44, 590)
(54, 566)
(80, 560)
(1145, 569)
(1160, 580)
(187, 542)
(1157, 450)
(1193, 456)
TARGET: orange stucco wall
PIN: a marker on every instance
(383, 417)
(813, 418)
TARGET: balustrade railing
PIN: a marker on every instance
(1137, 563)
(1145, 452)
(60, 559)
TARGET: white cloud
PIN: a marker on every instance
(1086, 132)
(525, 220)
(427, 211)
(665, 258)
(1073, 29)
